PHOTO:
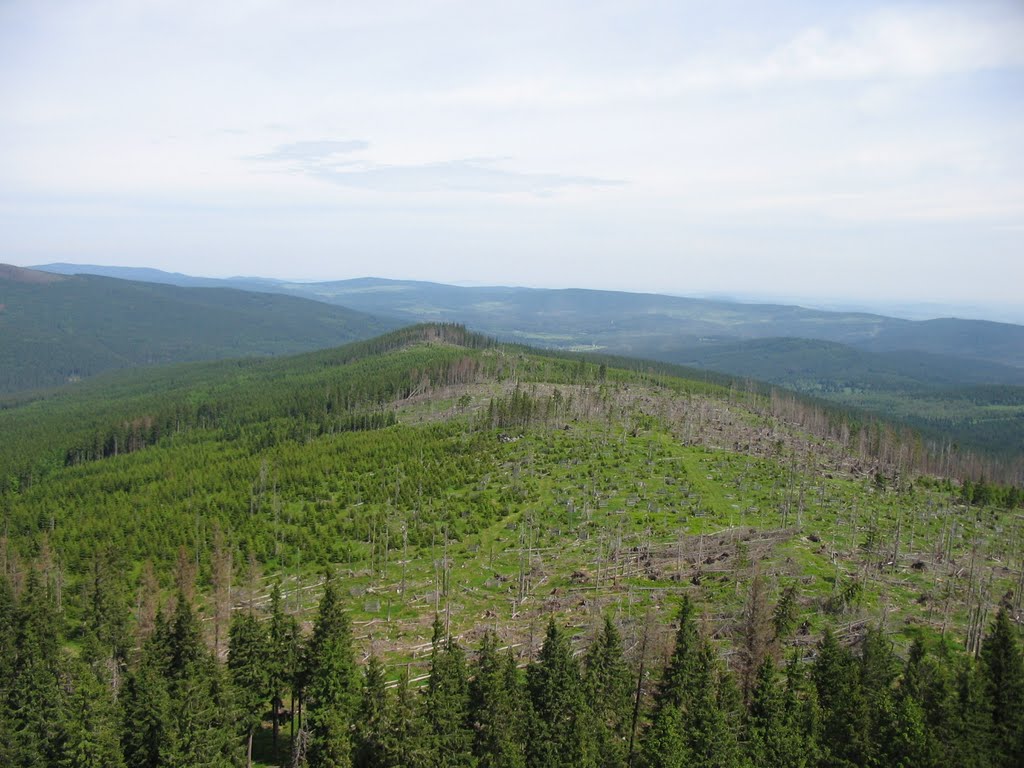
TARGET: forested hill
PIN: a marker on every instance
(958, 379)
(638, 324)
(56, 329)
(296, 555)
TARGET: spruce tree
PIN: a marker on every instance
(708, 726)
(35, 702)
(184, 643)
(902, 738)
(691, 723)
(559, 723)
(773, 733)
(202, 733)
(8, 622)
(801, 703)
(91, 736)
(280, 658)
(730, 713)
(878, 667)
(372, 731)
(608, 688)
(973, 739)
(105, 602)
(408, 743)
(494, 710)
(201, 723)
(930, 685)
(176, 706)
(845, 738)
(447, 702)
(147, 710)
(1003, 673)
(247, 667)
(333, 685)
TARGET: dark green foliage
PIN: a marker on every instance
(973, 737)
(693, 719)
(409, 743)
(775, 735)
(184, 644)
(560, 720)
(67, 328)
(281, 658)
(8, 619)
(147, 734)
(665, 741)
(179, 708)
(496, 708)
(1003, 674)
(878, 670)
(147, 713)
(901, 733)
(373, 733)
(202, 729)
(332, 689)
(930, 685)
(178, 711)
(105, 608)
(247, 668)
(784, 614)
(35, 716)
(92, 725)
(608, 687)
(844, 713)
(446, 702)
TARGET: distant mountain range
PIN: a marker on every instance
(57, 328)
(663, 327)
(936, 374)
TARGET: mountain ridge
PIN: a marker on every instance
(54, 331)
(936, 374)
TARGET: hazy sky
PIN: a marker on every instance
(841, 149)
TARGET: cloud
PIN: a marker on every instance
(475, 175)
(312, 151)
(320, 160)
(884, 45)
(889, 44)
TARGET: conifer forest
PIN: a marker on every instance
(434, 549)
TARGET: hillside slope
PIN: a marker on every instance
(455, 486)
(957, 379)
(433, 436)
(56, 329)
(635, 324)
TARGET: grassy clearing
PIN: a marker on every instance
(595, 519)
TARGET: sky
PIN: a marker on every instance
(861, 151)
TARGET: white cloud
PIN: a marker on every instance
(320, 160)
(312, 151)
(915, 42)
(475, 175)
